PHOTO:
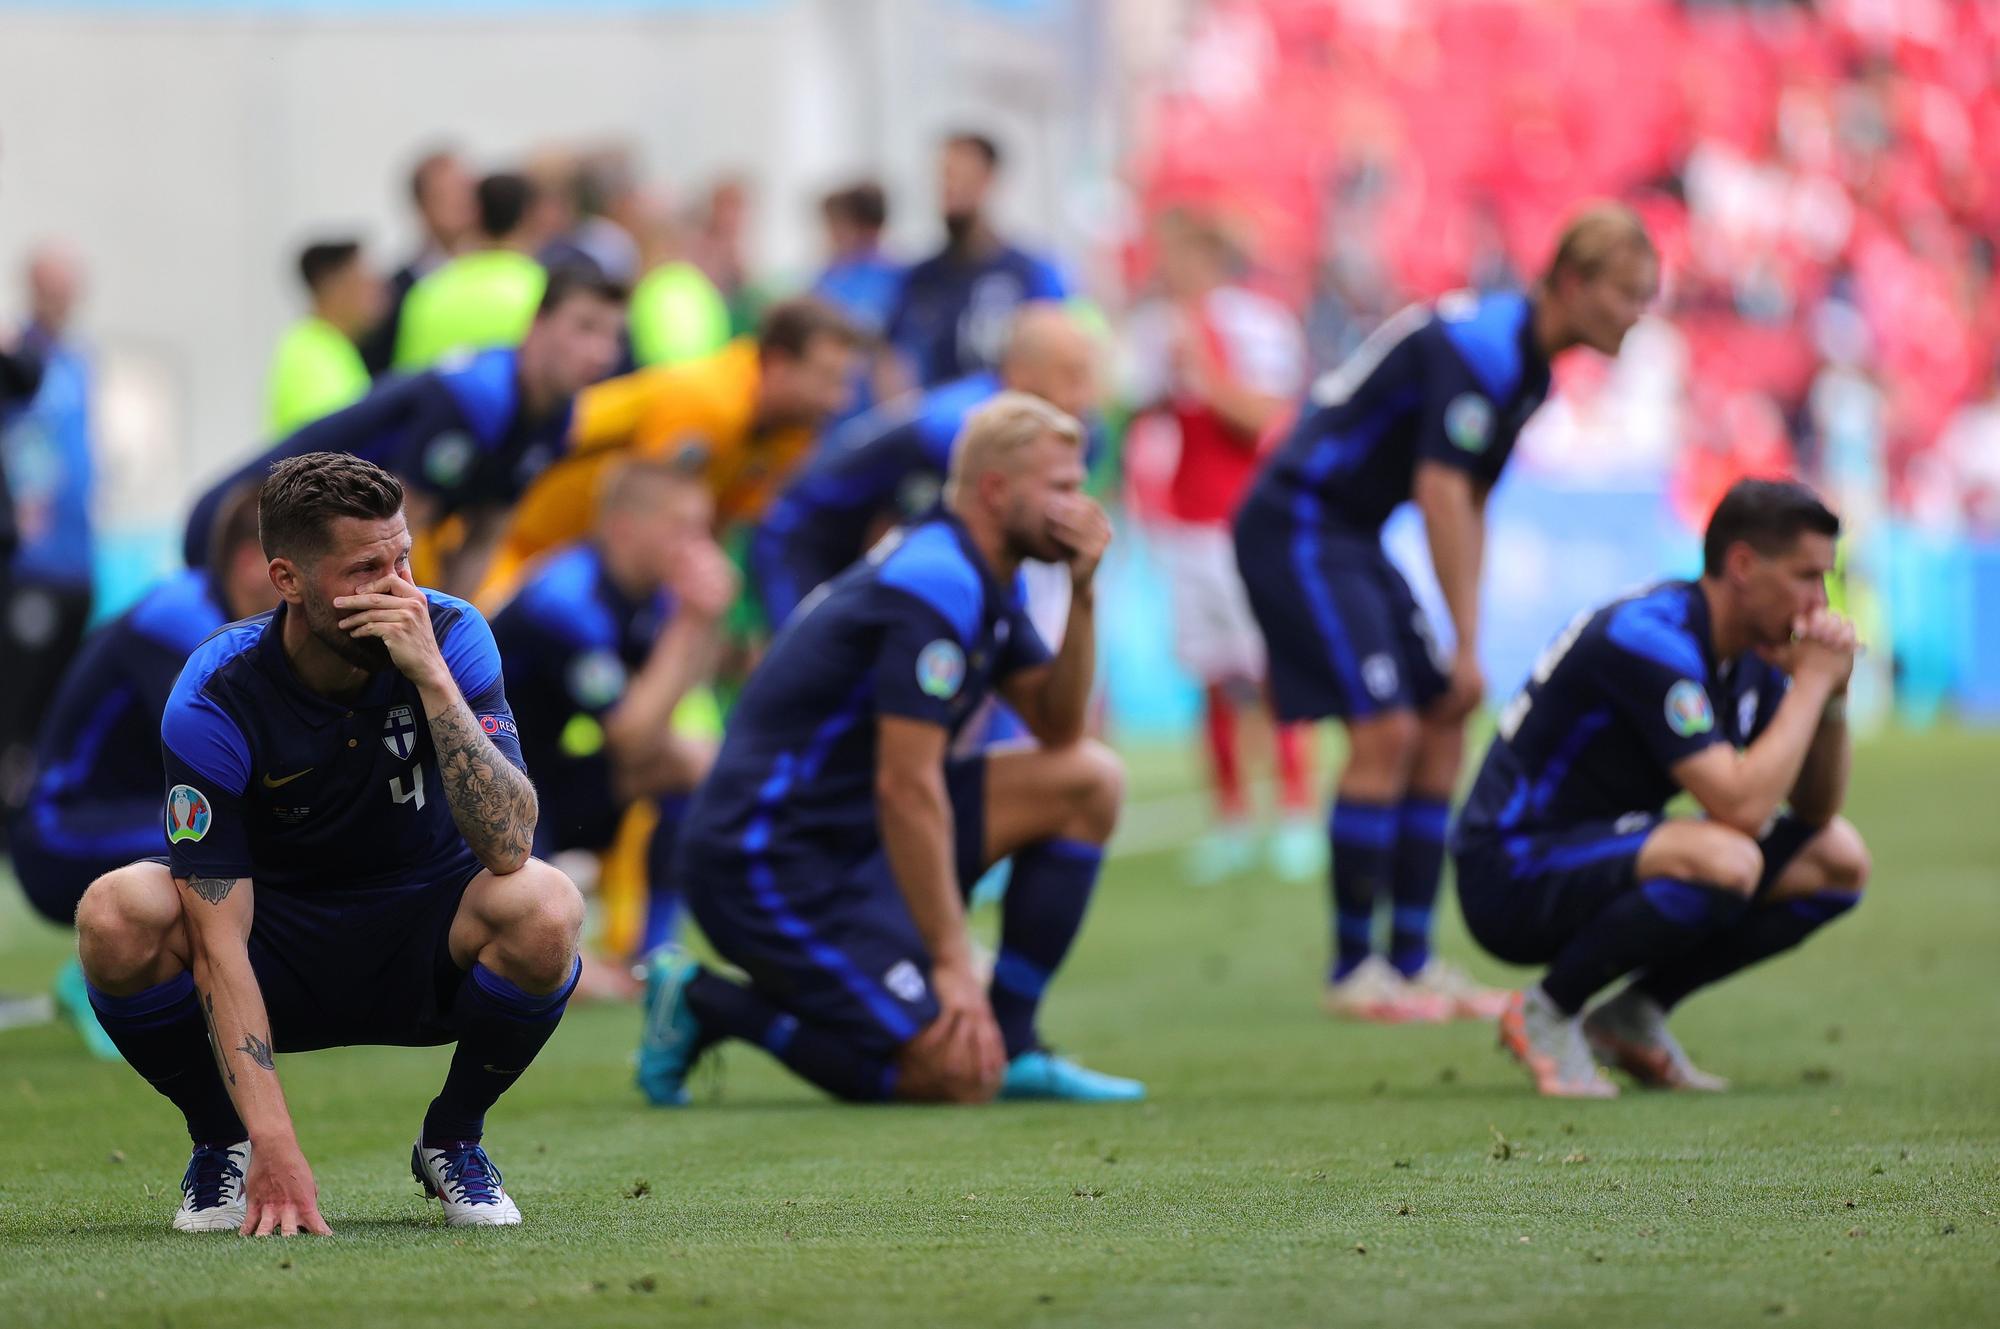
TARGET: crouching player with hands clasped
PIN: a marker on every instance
(348, 830)
(1731, 688)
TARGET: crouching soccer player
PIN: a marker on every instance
(829, 851)
(600, 646)
(349, 834)
(1732, 688)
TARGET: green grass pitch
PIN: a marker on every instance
(1287, 1171)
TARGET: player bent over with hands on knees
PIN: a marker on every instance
(349, 830)
(1732, 688)
(829, 852)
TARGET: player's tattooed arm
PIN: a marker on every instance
(258, 1050)
(212, 889)
(491, 799)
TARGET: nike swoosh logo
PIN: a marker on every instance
(269, 783)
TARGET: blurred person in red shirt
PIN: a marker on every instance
(1223, 364)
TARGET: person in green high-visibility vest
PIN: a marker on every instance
(485, 297)
(676, 313)
(318, 366)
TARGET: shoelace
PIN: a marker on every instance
(472, 1174)
(209, 1172)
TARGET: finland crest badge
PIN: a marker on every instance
(399, 732)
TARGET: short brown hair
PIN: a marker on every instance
(790, 326)
(862, 203)
(235, 526)
(302, 496)
(1594, 236)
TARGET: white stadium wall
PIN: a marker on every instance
(187, 150)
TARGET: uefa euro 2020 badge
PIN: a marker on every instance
(188, 814)
(941, 669)
(1688, 711)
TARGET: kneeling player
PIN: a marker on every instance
(601, 645)
(349, 834)
(95, 804)
(1563, 855)
(828, 853)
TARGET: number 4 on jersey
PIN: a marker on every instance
(415, 793)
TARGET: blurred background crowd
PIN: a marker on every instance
(218, 222)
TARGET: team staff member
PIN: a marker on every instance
(318, 367)
(484, 297)
(951, 315)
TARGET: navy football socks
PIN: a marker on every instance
(1364, 837)
(162, 1034)
(1419, 867)
(1648, 926)
(1764, 932)
(1039, 920)
(500, 1029)
(730, 1010)
(663, 896)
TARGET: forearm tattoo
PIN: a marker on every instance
(215, 1040)
(212, 889)
(258, 1051)
(491, 800)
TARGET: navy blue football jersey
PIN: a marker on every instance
(921, 629)
(891, 461)
(1620, 698)
(570, 641)
(1452, 384)
(456, 433)
(98, 761)
(313, 795)
(952, 317)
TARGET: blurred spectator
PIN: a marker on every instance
(441, 189)
(592, 187)
(858, 277)
(1224, 365)
(722, 245)
(951, 316)
(677, 314)
(318, 367)
(486, 296)
(45, 451)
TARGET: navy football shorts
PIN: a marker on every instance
(1525, 896)
(58, 851)
(351, 968)
(832, 943)
(1345, 635)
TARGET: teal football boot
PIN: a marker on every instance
(670, 1040)
(1042, 1075)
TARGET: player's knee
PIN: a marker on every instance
(1844, 855)
(1382, 749)
(1730, 860)
(125, 917)
(546, 934)
(1095, 792)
